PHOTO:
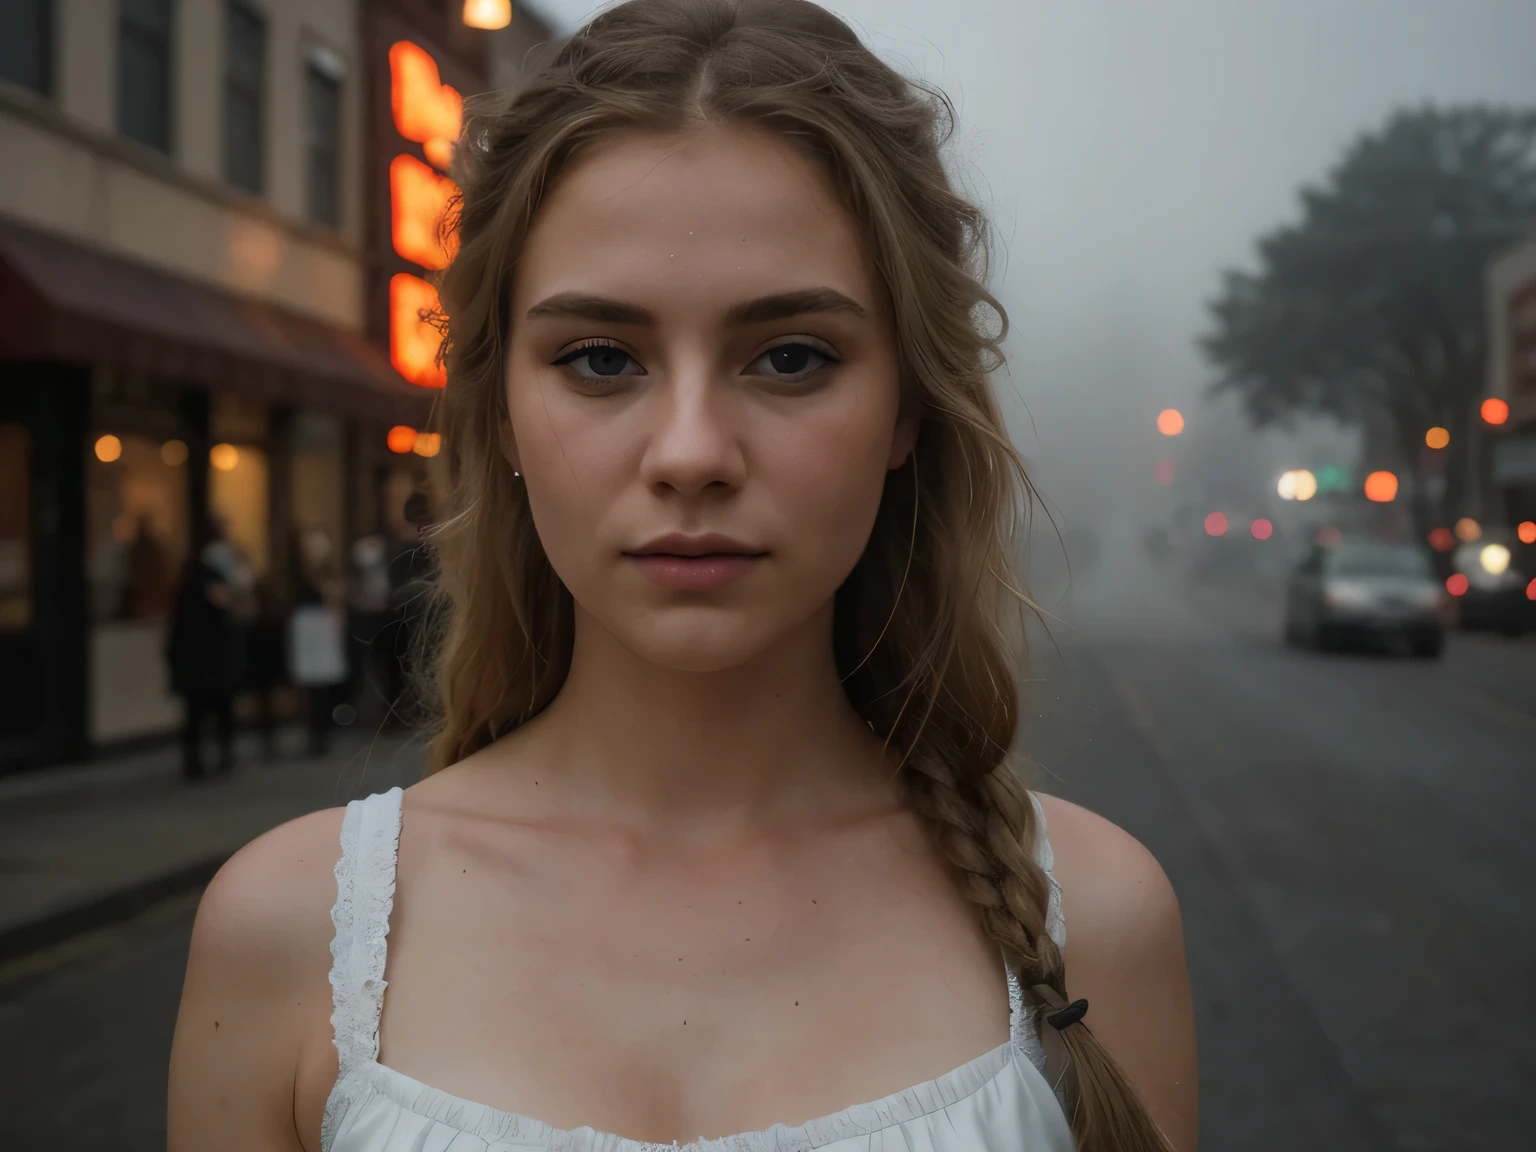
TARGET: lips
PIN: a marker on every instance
(695, 563)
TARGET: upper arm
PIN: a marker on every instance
(1125, 956)
(258, 962)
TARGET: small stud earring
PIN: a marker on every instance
(515, 472)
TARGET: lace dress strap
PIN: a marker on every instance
(1023, 1023)
(365, 895)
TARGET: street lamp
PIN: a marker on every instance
(1494, 411)
(1170, 422)
(1437, 438)
(1298, 484)
(488, 14)
(1381, 487)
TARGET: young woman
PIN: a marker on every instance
(722, 845)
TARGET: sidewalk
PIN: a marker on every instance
(83, 846)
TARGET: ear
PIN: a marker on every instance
(508, 444)
(903, 441)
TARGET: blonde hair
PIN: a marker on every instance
(927, 627)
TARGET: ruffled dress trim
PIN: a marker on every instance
(365, 891)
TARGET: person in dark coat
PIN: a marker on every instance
(204, 650)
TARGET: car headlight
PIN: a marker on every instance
(1494, 558)
(1342, 594)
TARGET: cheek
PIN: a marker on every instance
(570, 466)
(831, 472)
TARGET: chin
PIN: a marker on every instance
(698, 639)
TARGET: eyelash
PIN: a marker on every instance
(587, 347)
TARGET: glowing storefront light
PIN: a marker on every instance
(427, 444)
(430, 113)
(425, 109)
(224, 457)
(1468, 530)
(418, 202)
(108, 449)
(173, 453)
(401, 439)
(414, 340)
(1437, 438)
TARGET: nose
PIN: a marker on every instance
(695, 443)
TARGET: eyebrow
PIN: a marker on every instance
(781, 306)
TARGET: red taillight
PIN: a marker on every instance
(1456, 584)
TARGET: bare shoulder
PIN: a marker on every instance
(257, 976)
(279, 879)
(1125, 956)
(1114, 892)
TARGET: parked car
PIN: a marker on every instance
(1362, 591)
(1492, 591)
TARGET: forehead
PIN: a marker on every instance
(715, 215)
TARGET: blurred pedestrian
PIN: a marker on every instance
(148, 592)
(368, 616)
(317, 657)
(266, 662)
(204, 647)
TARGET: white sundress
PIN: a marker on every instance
(998, 1102)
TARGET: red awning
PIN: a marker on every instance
(60, 300)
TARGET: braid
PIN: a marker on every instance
(982, 831)
(987, 831)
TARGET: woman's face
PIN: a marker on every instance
(703, 389)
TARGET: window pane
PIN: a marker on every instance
(245, 63)
(148, 15)
(24, 43)
(323, 147)
(144, 72)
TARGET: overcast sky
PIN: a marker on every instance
(1129, 149)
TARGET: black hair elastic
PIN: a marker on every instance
(1068, 1016)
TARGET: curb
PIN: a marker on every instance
(53, 928)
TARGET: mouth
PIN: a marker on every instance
(694, 563)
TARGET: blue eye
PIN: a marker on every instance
(601, 362)
(792, 361)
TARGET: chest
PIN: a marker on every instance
(675, 991)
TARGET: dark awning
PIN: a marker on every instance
(60, 300)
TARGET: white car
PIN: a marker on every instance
(1362, 591)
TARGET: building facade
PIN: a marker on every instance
(192, 324)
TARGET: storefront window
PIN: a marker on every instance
(137, 538)
(239, 477)
(238, 496)
(138, 532)
(319, 494)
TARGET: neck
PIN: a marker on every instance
(775, 735)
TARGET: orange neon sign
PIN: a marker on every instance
(426, 110)
(418, 201)
(414, 339)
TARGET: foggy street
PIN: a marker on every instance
(1347, 834)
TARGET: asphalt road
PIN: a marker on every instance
(1348, 835)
